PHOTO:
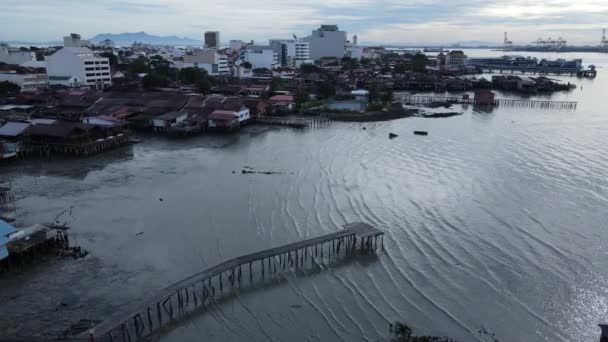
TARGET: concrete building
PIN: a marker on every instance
(260, 56)
(209, 59)
(236, 45)
(212, 40)
(455, 58)
(283, 48)
(291, 53)
(80, 64)
(18, 57)
(354, 52)
(28, 79)
(74, 40)
(327, 41)
(302, 56)
(106, 44)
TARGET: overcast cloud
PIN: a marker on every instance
(382, 21)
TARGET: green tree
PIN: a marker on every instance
(7, 87)
(309, 68)
(154, 80)
(400, 68)
(112, 57)
(419, 62)
(387, 96)
(374, 94)
(276, 84)
(402, 332)
(302, 96)
(327, 89)
(204, 85)
(192, 75)
(365, 61)
(138, 66)
(349, 63)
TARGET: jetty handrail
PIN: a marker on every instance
(351, 231)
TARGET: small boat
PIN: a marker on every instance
(392, 135)
(421, 133)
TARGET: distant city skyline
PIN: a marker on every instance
(375, 22)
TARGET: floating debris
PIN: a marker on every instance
(441, 115)
(392, 135)
(261, 172)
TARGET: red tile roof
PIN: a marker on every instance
(282, 98)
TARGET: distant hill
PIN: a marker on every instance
(143, 37)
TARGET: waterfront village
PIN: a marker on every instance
(84, 98)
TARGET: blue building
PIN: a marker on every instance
(5, 230)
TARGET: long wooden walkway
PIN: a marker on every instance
(418, 99)
(293, 121)
(193, 292)
(530, 70)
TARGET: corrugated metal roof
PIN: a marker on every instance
(6, 228)
(13, 129)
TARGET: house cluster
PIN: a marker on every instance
(529, 85)
(84, 121)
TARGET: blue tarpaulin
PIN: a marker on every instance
(5, 230)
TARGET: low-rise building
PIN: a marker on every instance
(210, 60)
(107, 44)
(223, 119)
(81, 64)
(455, 59)
(28, 79)
(13, 56)
(163, 122)
(283, 103)
(260, 57)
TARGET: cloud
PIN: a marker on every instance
(390, 21)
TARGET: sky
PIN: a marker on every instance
(374, 21)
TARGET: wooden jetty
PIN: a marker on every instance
(292, 121)
(183, 297)
(530, 70)
(7, 198)
(416, 99)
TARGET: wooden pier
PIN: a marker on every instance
(530, 70)
(182, 298)
(292, 121)
(414, 99)
(7, 198)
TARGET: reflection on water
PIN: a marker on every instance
(494, 221)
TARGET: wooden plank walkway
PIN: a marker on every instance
(197, 290)
(292, 121)
(421, 99)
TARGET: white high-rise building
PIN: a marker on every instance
(302, 54)
(291, 53)
(215, 63)
(78, 65)
(327, 41)
(260, 57)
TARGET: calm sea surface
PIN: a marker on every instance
(496, 221)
